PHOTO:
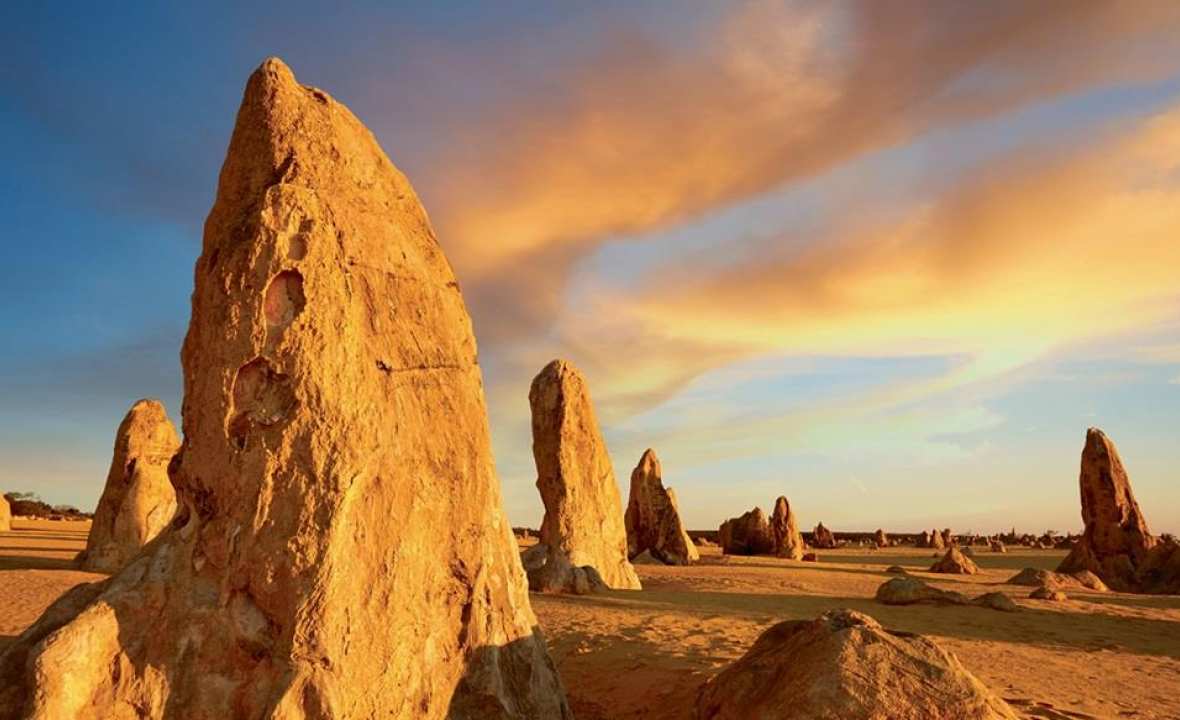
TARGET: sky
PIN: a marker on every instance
(887, 259)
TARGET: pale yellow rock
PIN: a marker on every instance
(341, 550)
(582, 538)
(5, 515)
(653, 518)
(138, 500)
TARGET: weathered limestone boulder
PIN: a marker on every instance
(1033, 577)
(583, 525)
(788, 541)
(653, 518)
(1046, 593)
(937, 541)
(948, 538)
(880, 538)
(748, 534)
(845, 665)
(997, 546)
(955, 562)
(822, 538)
(5, 515)
(996, 601)
(1117, 545)
(138, 500)
(912, 591)
(340, 549)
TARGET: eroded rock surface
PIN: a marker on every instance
(788, 541)
(5, 515)
(845, 665)
(138, 500)
(1117, 544)
(653, 519)
(340, 549)
(747, 534)
(583, 525)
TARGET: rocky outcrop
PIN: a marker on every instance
(748, 534)
(5, 515)
(583, 526)
(340, 549)
(788, 541)
(912, 591)
(909, 590)
(652, 519)
(955, 562)
(1034, 577)
(822, 538)
(997, 546)
(138, 500)
(845, 665)
(880, 538)
(996, 601)
(1117, 545)
(1047, 593)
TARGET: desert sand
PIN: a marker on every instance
(644, 654)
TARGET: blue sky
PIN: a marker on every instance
(890, 264)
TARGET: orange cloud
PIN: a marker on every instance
(642, 136)
(1028, 255)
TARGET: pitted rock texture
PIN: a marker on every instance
(653, 518)
(137, 501)
(844, 665)
(583, 525)
(747, 534)
(340, 549)
(788, 541)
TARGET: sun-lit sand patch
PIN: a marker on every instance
(36, 566)
(643, 655)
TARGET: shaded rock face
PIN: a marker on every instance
(340, 549)
(1116, 545)
(138, 500)
(956, 563)
(997, 546)
(845, 665)
(5, 515)
(822, 538)
(748, 534)
(652, 519)
(788, 541)
(583, 525)
(880, 538)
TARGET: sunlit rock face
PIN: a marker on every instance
(788, 541)
(137, 500)
(340, 549)
(653, 517)
(583, 538)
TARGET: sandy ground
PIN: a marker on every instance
(644, 654)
